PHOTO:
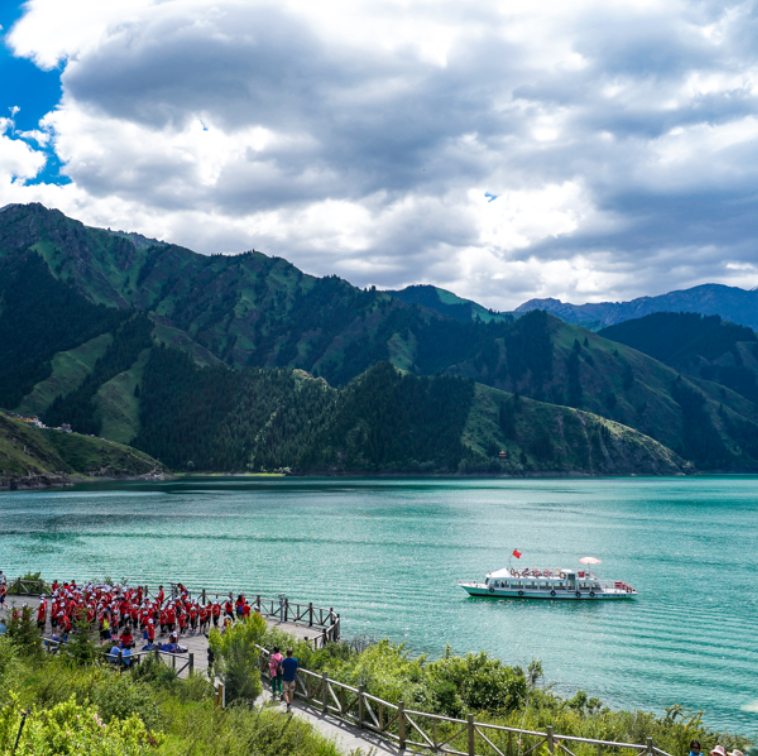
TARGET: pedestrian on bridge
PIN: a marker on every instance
(289, 672)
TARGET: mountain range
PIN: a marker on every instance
(246, 363)
(728, 302)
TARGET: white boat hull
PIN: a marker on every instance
(558, 594)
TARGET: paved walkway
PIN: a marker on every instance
(348, 737)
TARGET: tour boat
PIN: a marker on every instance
(548, 584)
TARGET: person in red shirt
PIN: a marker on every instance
(182, 618)
(193, 618)
(171, 618)
(42, 616)
(126, 637)
(150, 630)
(246, 610)
(204, 616)
(216, 613)
(160, 595)
(64, 623)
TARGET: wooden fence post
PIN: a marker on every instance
(286, 609)
(191, 663)
(310, 614)
(650, 746)
(203, 595)
(324, 693)
(471, 735)
(550, 741)
(361, 705)
(401, 724)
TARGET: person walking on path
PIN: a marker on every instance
(289, 671)
(275, 670)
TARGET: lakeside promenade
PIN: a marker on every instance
(360, 722)
(348, 737)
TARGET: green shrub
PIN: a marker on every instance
(30, 577)
(69, 729)
(118, 696)
(23, 634)
(236, 657)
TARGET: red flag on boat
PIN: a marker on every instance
(517, 553)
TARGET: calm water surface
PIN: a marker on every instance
(387, 554)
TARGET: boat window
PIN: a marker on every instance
(545, 585)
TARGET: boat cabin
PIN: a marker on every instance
(535, 580)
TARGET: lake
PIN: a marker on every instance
(387, 555)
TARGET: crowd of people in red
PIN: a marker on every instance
(120, 612)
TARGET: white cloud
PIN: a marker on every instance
(361, 137)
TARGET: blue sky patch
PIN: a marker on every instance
(30, 90)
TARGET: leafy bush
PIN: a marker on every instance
(69, 729)
(236, 657)
(23, 634)
(30, 577)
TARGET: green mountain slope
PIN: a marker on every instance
(254, 311)
(32, 457)
(703, 346)
(446, 303)
(383, 421)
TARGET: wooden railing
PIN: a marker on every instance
(179, 662)
(22, 587)
(325, 621)
(431, 732)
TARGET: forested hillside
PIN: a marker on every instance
(446, 303)
(83, 312)
(704, 346)
(383, 421)
(32, 457)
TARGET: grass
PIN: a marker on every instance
(25, 450)
(560, 439)
(148, 712)
(69, 371)
(117, 405)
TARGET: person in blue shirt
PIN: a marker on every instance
(695, 748)
(126, 656)
(289, 671)
(115, 653)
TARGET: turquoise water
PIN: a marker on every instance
(387, 555)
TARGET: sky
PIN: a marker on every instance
(587, 151)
